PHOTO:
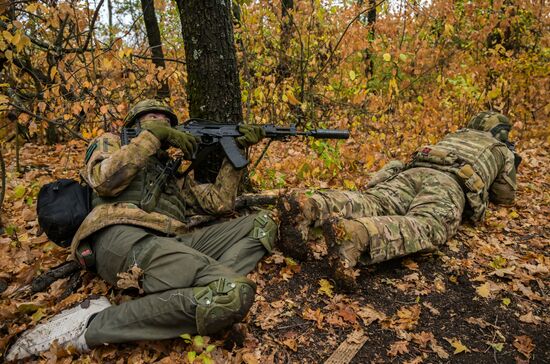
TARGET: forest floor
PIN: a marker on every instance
(482, 298)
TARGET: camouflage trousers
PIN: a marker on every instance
(413, 211)
(173, 272)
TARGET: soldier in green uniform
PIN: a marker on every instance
(194, 281)
(407, 208)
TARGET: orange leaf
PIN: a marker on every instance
(292, 99)
(524, 344)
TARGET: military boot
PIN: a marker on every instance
(294, 225)
(223, 303)
(345, 242)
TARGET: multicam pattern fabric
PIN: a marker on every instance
(111, 168)
(490, 159)
(419, 209)
(413, 211)
(389, 170)
(410, 211)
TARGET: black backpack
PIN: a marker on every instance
(62, 206)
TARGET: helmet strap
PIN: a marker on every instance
(500, 127)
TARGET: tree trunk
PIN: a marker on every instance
(2, 189)
(283, 69)
(110, 21)
(367, 55)
(213, 85)
(155, 43)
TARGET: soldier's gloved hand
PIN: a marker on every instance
(175, 138)
(252, 134)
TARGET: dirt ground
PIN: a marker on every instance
(482, 298)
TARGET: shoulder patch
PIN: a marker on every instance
(90, 151)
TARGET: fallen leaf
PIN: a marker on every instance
(368, 314)
(480, 322)
(19, 191)
(28, 307)
(422, 338)
(291, 344)
(313, 315)
(291, 98)
(417, 360)
(411, 264)
(483, 290)
(497, 346)
(439, 350)
(530, 318)
(28, 215)
(457, 344)
(432, 309)
(524, 344)
(454, 245)
(290, 269)
(536, 269)
(199, 343)
(130, 279)
(268, 317)
(187, 338)
(250, 358)
(357, 337)
(501, 272)
(528, 292)
(406, 318)
(38, 315)
(347, 314)
(513, 215)
(412, 277)
(398, 347)
(506, 301)
(333, 319)
(439, 285)
(278, 304)
(326, 288)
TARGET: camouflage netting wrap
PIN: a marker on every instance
(489, 121)
(148, 106)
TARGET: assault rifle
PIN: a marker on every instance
(210, 134)
(150, 199)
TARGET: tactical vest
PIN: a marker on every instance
(149, 193)
(469, 156)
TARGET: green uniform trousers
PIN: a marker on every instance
(413, 211)
(171, 266)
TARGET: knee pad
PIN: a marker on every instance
(264, 229)
(223, 303)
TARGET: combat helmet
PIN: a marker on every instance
(147, 106)
(490, 121)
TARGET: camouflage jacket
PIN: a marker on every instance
(110, 169)
(483, 166)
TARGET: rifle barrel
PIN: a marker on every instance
(328, 133)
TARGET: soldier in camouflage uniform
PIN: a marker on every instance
(407, 208)
(194, 281)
